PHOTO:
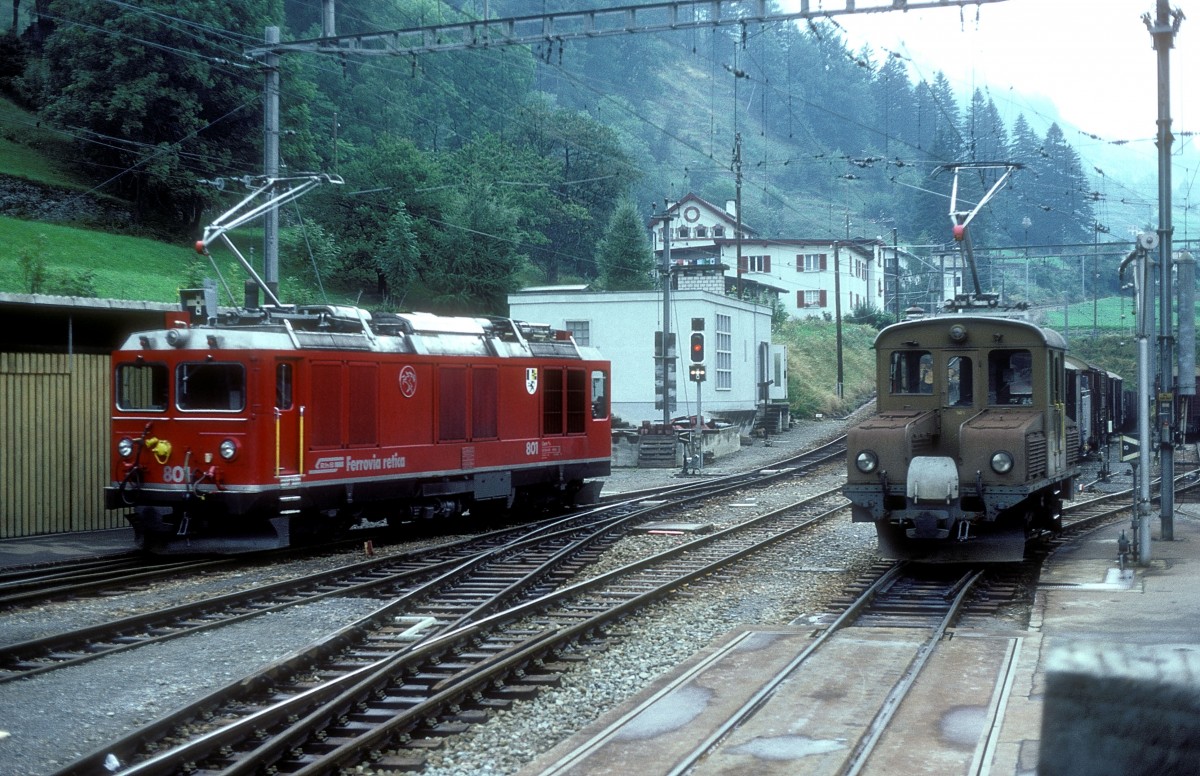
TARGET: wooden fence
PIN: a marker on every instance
(54, 443)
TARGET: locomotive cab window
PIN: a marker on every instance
(283, 386)
(1010, 378)
(599, 395)
(142, 387)
(210, 386)
(911, 371)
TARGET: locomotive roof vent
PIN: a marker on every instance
(958, 333)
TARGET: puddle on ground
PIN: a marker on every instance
(666, 714)
(963, 725)
(787, 747)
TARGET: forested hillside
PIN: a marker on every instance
(468, 174)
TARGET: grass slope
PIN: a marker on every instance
(122, 267)
(29, 151)
(812, 366)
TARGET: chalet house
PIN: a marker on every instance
(813, 277)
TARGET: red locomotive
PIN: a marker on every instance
(264, 425)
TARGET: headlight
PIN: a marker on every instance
(125, 447)
(228, 449)
(1002, 462)
(866, 461)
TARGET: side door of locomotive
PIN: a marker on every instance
(289, 419)
(1056, 388)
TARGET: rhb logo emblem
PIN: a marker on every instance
(408, 381)
(531, 380)
(328, 464)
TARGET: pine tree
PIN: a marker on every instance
(623, 254)
(1025, 148)
(1066, 187)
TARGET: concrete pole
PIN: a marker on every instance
(737, 226)
(668, 366)
(271, 163)
(837, 314)
(896, 266)
(1145, 387)
(328, 29)
(699, 446)
(1163, 31)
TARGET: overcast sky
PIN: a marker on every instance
(1093, 60)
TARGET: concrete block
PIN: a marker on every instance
(1121, 709)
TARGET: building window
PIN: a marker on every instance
(581, 331)
(724, 352)
(718, 231)
(754, 264)
(811, 262)
(810, 298)
(702, 231)
(683, 232)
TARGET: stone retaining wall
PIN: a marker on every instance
(21, 198)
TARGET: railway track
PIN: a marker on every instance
(85, 576)
(396, 573)
(391, 684)
(902, 626)
(1087, 514)
(461, 691)
(894, 599)
(34, 585)
(384, 578)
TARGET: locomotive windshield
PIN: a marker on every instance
(142, 387)
(210, 386)
(911, 372)
(1010, 377)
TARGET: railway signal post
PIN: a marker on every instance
(698, 374)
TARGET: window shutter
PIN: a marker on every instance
(823, 267)
(799, 262)
(766, 263)
(741, 264)
(822, 301)
(800, 300)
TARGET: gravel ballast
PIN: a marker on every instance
(50, 720)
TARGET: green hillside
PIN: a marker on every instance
(86, 262)
(31, 152)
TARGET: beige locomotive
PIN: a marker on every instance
(971, 450)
